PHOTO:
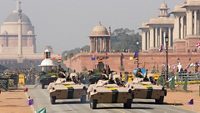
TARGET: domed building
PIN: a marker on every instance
(10, 41)
(100, 39)
(17, 40)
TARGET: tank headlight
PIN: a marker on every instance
(53, 88)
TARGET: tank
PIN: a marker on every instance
(46, 79)
(62, 89)
(105, 92)
(147, 90)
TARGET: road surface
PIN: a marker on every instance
(41, 99)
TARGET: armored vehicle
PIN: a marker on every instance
(146, 90)
(105, 92)
(62, 89)
(46, 78)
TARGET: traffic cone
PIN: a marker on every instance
(26, 89)
(30, 101)
(191, 102)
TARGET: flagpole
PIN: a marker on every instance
(137, 43)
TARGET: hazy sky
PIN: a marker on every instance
(66, 24)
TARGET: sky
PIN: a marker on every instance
(66, 24)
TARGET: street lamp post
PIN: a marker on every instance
(137, 58)
(166, 42)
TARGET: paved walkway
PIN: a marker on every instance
(14, 101)
(181, 98)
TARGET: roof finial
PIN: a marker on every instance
(19, 10)
(110, 30)
(100, 23)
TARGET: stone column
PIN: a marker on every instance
(185, 27)
(160, 38)
(195, 22)
(109, 44)
(182, 27)
(169, 36)
(96, 44)
(176, 28)
(198, 23)
(189, 22)
(91, 44)
(151, 38)
(101, 44)
(143, 40)
(156, 37)
(148, 38)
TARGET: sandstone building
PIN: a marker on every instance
(18, 40)
(181, 26)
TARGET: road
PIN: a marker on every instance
(41, 99)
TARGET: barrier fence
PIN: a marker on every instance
(189, 76)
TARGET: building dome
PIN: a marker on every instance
(99, 30)
(14, 17)
(163, 6)
(46, 63)
(11, 24)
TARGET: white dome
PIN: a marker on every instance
(47, 62)
(99, 30)
(11, 24)
(14, 17)
(46, 50)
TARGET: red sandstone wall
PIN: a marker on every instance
(146, 60)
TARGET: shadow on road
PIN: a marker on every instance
(123, 108)
(176, 104)
(71, 102)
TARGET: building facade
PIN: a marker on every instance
(182, 29)
(17, 40)
(181, 26)
(17, 26)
